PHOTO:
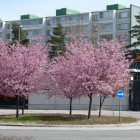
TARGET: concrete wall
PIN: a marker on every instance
(56, 103)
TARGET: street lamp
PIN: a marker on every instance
(132, 78)
(19, 32)
(131, 92)
(96, 33)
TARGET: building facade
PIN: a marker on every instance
(114, 22)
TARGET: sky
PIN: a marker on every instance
(12, 9)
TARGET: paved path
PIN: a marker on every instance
(104, 112)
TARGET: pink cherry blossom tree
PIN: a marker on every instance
(21, 70)
(73, 73)
(89, 71)
(115, 66)
(65, 76)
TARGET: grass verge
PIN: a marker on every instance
(64, 119)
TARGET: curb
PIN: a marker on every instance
(71, 126)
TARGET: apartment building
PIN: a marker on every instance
(114, 22)
(75, 24)
(103, 25)
(33, 26)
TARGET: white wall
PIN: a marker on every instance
(55, 103)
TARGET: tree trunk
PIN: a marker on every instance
(113, 106)
(90, 104)
(23, 105)
(70, 106)
(17, 109)
(100, 107)
(101, 103)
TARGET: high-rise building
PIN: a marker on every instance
(114, 22)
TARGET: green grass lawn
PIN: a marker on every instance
(64, 119)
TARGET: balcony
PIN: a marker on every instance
(30, 27)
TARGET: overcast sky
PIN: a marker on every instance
(12, 9)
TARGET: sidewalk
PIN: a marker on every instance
(134, 114)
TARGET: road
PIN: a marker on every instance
(122, 132)
(73, 133)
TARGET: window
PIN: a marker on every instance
(48, 22)
(85, 29)
(28, 33)
(58, 20)
(62, 20)
(95, 17)
(7, 36)
(8, 26)
(127, 38)
(124, 15)
(48, 33)
(124, 37)
(1, 24)
(32, 22)
(101, 15)
(0, 35)
(40, 21)
(108, 15)
(53, 21)
(108, 27)
(37, 32)
(123, 26)
(108, 37)
(81, 18)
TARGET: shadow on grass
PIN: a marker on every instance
(52, 117)
(6, 116)
(63, 119)
(16, 138)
